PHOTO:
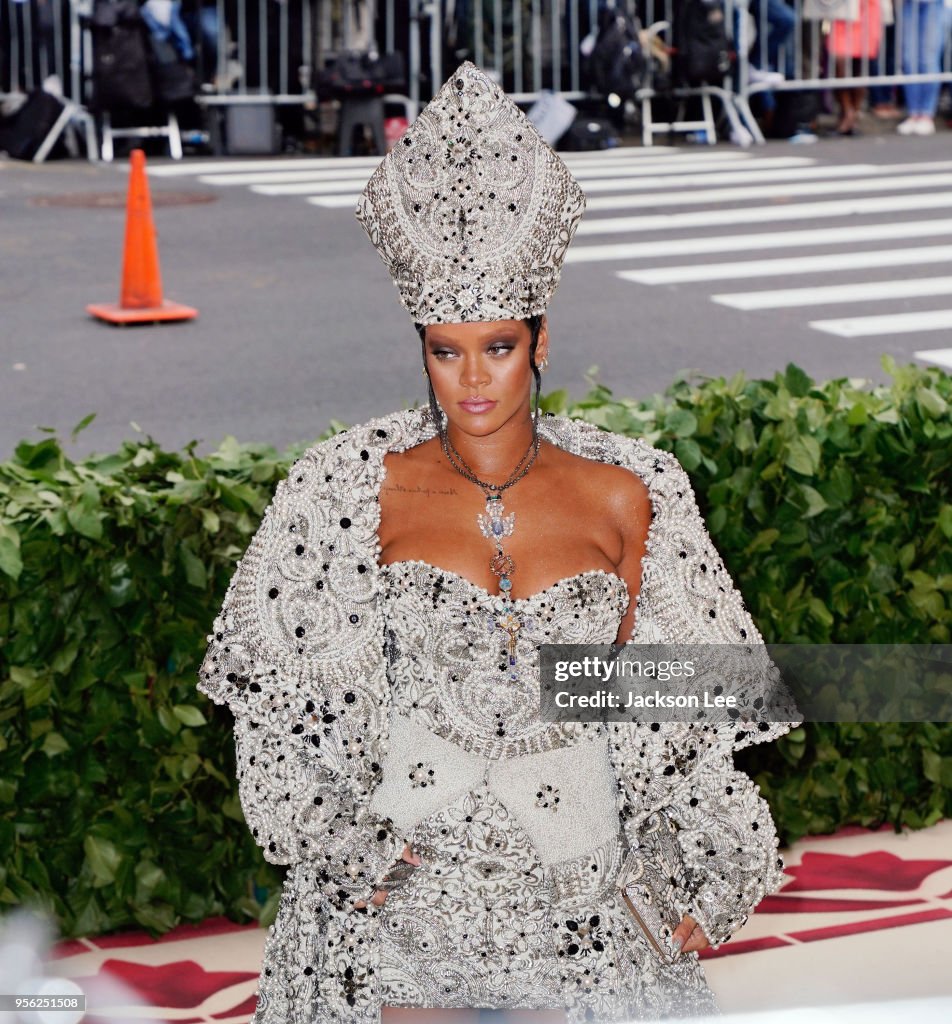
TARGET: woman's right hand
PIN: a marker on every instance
(380, 895)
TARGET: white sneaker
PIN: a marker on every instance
(759, 76)
(908, 127)
(924, 126)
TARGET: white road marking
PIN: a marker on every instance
(939, 356)
(763, 240)
(183, 168)
(892, 323)
(767, 214)
(816, 264)
(867, 291)
(810, 188)
(615, 175)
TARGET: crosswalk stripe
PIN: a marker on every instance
(774, 213)
(624, 177)
(763, 240)
(737, 215)
(815, 264)
(308, 187)
(810, 188)
(184, 168)
(347, 177)
(196, 167)
(939, 356)
(867, 291)
(621, 151)
(889, 323)
(289, 184)
(300, 182)
(333, 202)
(618, 171)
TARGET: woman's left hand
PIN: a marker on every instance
(689, 935)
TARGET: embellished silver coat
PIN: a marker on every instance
(297, 654)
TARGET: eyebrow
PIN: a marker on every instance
(504, 336)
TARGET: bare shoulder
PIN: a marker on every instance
(622, 494)
(413, 459)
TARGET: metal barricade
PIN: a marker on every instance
(535, 45)
(842, 45)
(41, 43)
(269, 51)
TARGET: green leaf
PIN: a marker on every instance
(815, 501)
(195, 571)
(189, 715)
(680, 423)
(54, 744)
(688, 453)
(803, 455)
(798, 383)
(10, 561)
(931, 402)
(944, 519)
(555, 401)
(764, 540)
(931, 765)
(82, 425)
(85, 522)
(210, 520)
(858, 415)
(102, 859)
(744, 439)
(168, 720)
(820, 612)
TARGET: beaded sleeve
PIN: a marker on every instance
(294, 655)
(725, 832)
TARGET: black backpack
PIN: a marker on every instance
(172, 79)
(356, 74)
(702, 48)
(589, 133)
(120, 56)
(22, 134)
(617, 64)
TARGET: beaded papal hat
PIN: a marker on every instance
(472, 211)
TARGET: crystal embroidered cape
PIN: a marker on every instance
(297, 655)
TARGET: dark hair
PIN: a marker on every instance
(534, 323)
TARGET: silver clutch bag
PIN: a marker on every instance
(652, 873)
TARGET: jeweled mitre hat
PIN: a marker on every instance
(472, 211)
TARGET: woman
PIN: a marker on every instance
(448, 849)
(923, 38)
(853, 44)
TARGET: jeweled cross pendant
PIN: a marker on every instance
(510, 624)
(493, 523)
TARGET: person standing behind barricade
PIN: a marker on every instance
(882, 98)
(163, 18)
(946, 33)
(201, 19)
(922, 41)
(853, 44)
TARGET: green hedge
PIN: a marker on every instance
(118, 807)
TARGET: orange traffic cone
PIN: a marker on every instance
(140, 299)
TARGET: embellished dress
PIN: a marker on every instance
(369, 712)
(515, 818)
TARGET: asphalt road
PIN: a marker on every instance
(299, 322)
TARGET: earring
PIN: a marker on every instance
(423, 371)
(544, 364)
